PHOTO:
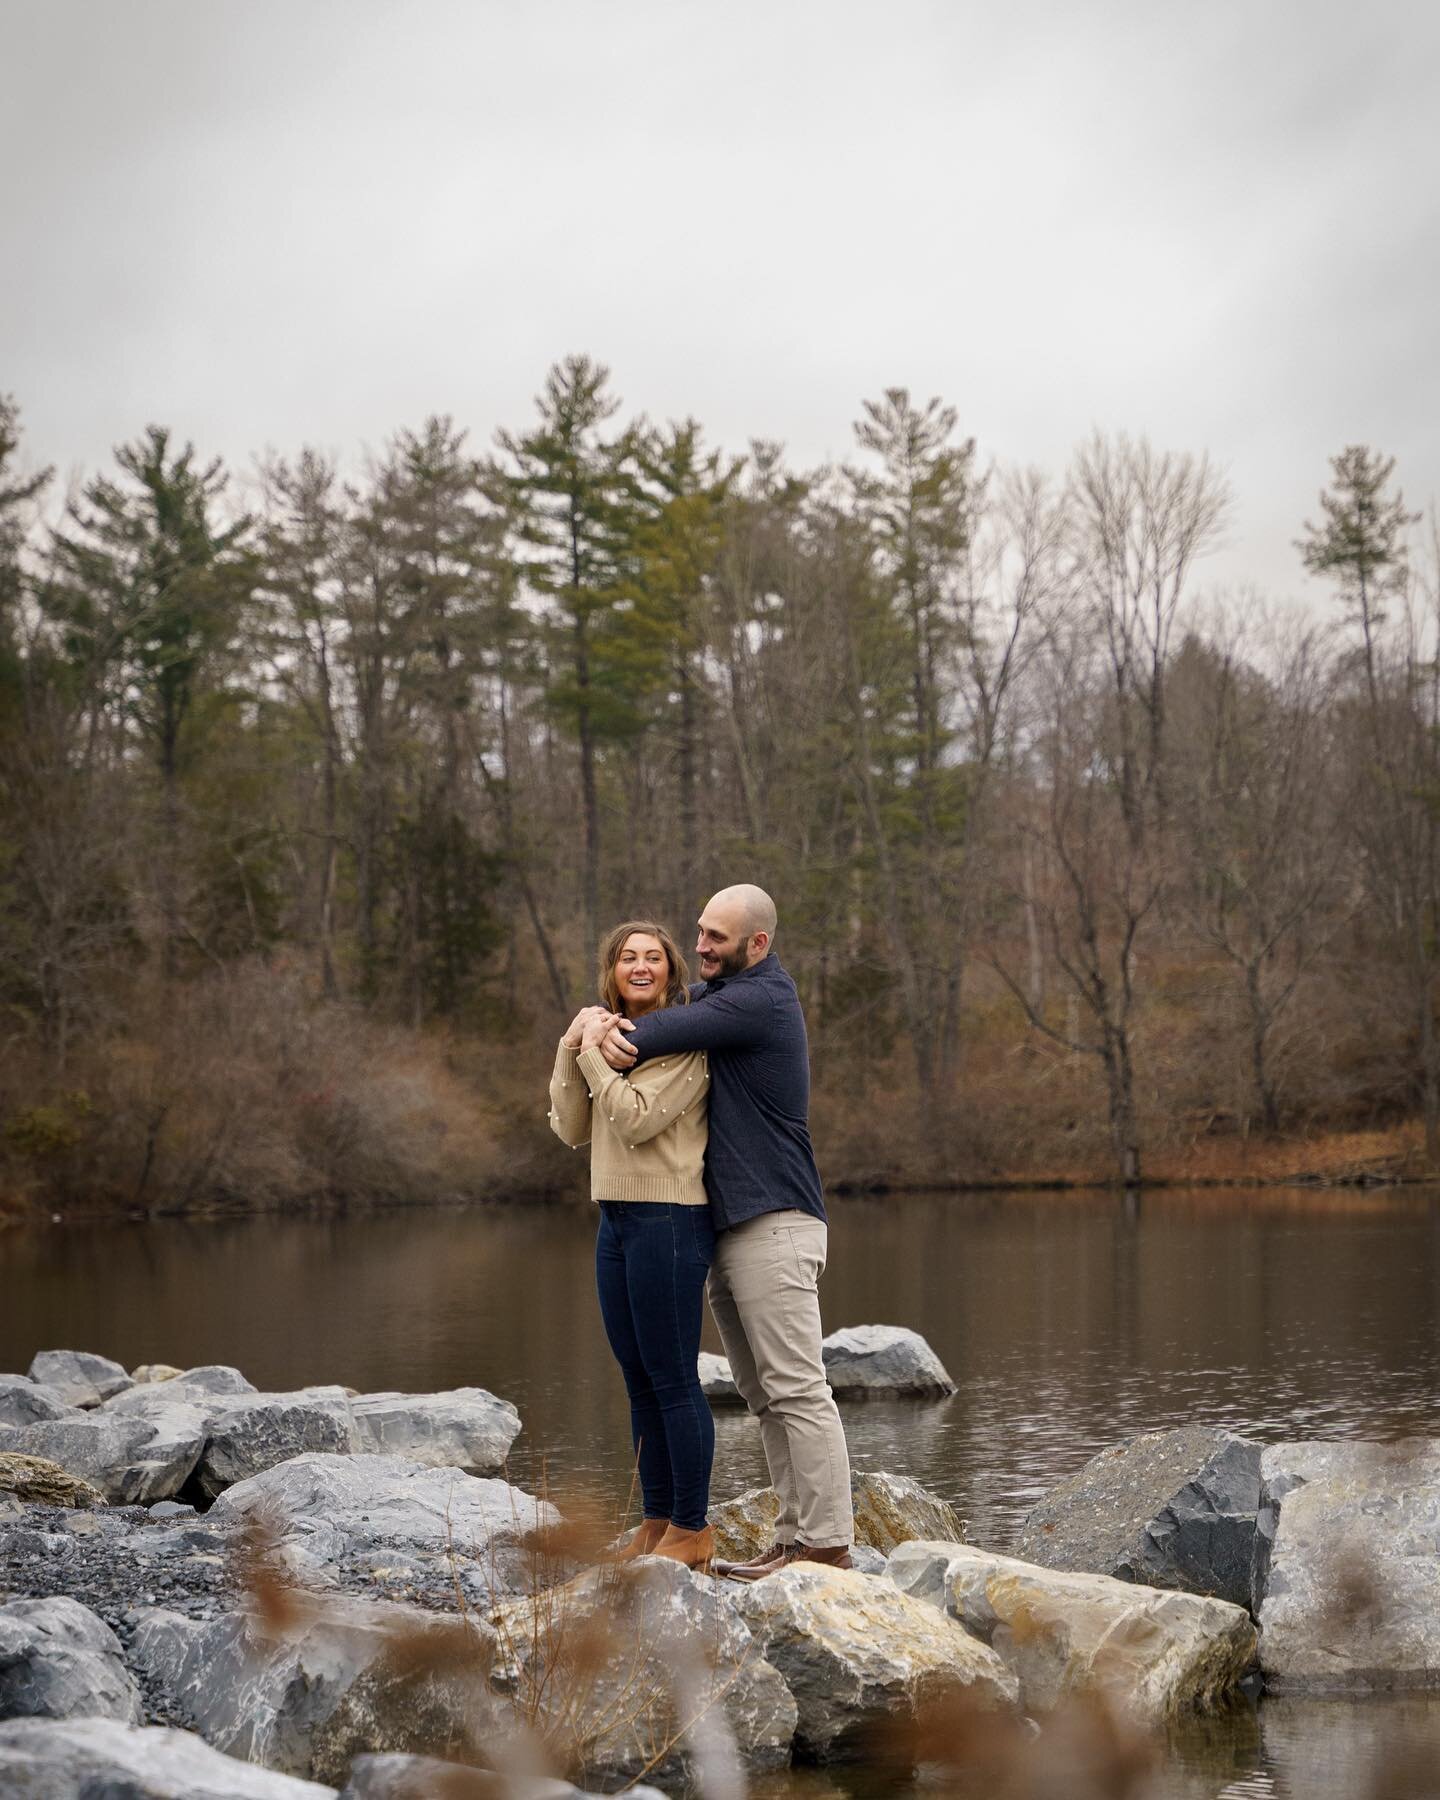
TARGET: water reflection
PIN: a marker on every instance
(1068, 1321)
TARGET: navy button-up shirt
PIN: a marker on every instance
(759, 1157)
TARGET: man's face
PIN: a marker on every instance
(719, 946)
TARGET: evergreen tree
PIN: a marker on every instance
(1361, 541)
(149, 589)
(677, 545)
(916, 510)
(573, 498)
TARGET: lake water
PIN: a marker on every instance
(1069, 1322)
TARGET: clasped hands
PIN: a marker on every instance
(597, 1028)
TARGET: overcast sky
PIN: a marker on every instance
(315, 221)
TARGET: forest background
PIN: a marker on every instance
(317, 790)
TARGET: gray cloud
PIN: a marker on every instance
(268, 223)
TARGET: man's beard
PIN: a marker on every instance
(731, 964)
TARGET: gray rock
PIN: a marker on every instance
(399, 1777)
(38, 1481)
(78, 1377)
(1152, 1654)
(466, 1428)
(25, 1402)
(1348, 1567)
(216, 1378)
(132, 1458)
(892, 1509)
(323, 1510)
(253, 1432)
(626, 1661)
(716, 1382)
(879, 1361)
(883, 1360)
(1171, 1509)
(745, 1525)
(59, 1661)
(331, 1680)
(866, 1560)
(855, 1651)
(102, 1759)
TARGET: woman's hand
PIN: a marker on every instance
(576, 1028)
(597, 1027)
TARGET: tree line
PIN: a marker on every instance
(1020, 783)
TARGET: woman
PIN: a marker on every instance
(646, 1132)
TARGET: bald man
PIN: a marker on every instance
(765, 1201)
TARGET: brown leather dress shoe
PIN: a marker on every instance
(833, 1556)
(756, 1568)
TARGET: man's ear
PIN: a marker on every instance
(760, 940)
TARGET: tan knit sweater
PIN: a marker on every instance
(646, 1130)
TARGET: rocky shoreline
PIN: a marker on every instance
(237, 1593)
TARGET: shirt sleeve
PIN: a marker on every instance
(738, 1017)
(569, 1100)
(642, 1107)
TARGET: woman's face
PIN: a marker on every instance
(642, 973)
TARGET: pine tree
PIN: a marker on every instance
(572, 493)
(149, 590)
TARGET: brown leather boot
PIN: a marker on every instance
(833, 1556)
(695, 1549)
(756, 1568)
(641, 1542)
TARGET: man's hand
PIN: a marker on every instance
(597, 1026)
(615, 1047)
(575, 1030)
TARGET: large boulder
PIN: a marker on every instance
(247, 1431)
(1150, 1653)
(103, 1759)
(880, 1361)
(308, 1693)
(745, 1525)
(889, 1510)
(861, 1362)
(643, 1668)
(59, 1661)
(1171, 1509)
(856, 1651)
(208, 1378)
(466, 1428)
(40, 1482)
(893, 1509)
(1348, 1566)
(250, 1433)
(79, 1378)
(329, 1516)
(25, 1402)
(132, 1458)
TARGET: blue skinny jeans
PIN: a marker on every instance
(650, 1267)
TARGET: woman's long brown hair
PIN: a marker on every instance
(677, 989)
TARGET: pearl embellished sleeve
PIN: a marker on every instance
(640, 1105)
(569, 1100)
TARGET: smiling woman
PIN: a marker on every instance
(647, 1134)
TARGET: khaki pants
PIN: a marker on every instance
(764, 1293)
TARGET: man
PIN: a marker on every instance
(769, 1216)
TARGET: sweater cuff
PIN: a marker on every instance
(594, 1068)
